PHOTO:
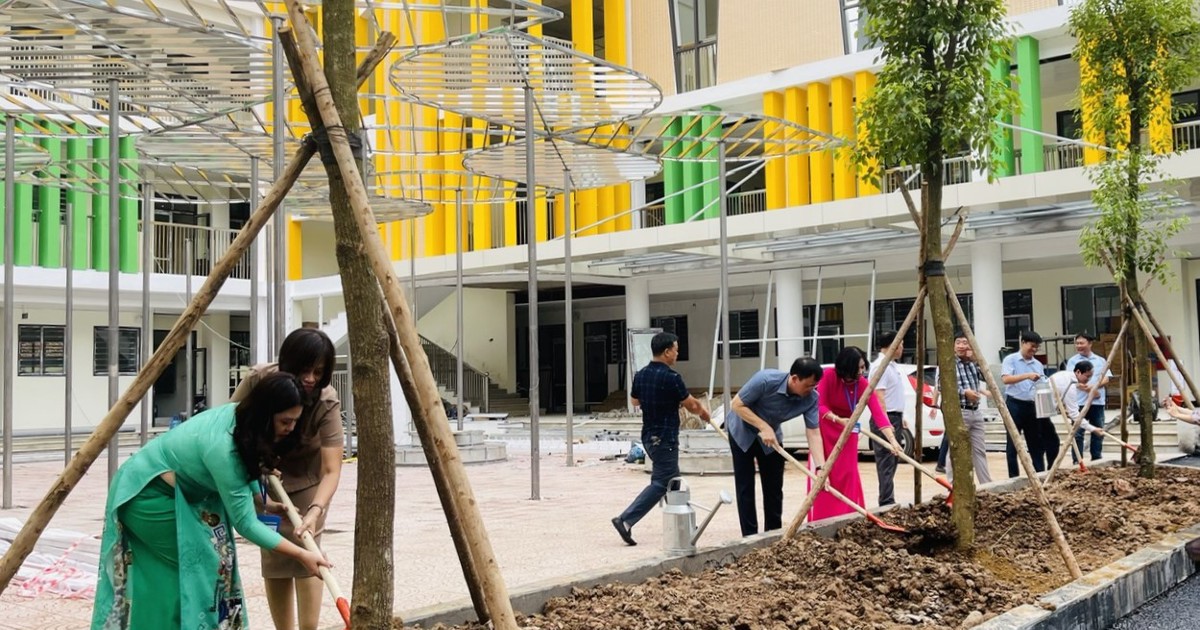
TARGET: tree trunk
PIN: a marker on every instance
(1143, 375)
(962, 512)
(375, 509)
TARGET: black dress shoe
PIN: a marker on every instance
(624, 531)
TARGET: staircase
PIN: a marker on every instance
(1166, 438)
(480, 393)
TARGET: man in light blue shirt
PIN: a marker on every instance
(1020, 373)
(1100, 376)
(754, 422)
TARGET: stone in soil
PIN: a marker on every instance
(870, 579)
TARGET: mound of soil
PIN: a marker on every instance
(870, 579)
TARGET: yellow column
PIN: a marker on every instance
(820, 163)
(795, 110)
(606, 204)
(540, 220)
(842, 108)
(536, 31)
(776, 169)
(559, 219)
(452, 144)
(430, 28)
(615, 42)
(295, 264)
(1089, 102)
(510, 215)
(864, 85)
(481, 213)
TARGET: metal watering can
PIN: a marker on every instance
(1043, 400)
(679, 518)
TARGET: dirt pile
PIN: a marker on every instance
(871, 579)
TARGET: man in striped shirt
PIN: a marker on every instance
(970, 393)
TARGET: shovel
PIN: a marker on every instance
(833, 491)
(343, 605)
(941, 481)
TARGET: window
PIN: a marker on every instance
(41, 350)
(1066, 124)
(613, 331)
(676, 325)
(694, 31)
(1018, 313)
(853, 19)
(1094, 309)
(128, 350)
(744, 325)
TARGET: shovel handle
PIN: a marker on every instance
(941, 481)
(833, 491)
(293, 514)
(1110, 436)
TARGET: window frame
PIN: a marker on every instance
(740, 347)
(100, 335)
(696, 49)
(41, 350)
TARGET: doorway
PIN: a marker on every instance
(595, 368)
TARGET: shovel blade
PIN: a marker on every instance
(886, 525)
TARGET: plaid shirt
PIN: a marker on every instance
(968, 378)
(659, 390)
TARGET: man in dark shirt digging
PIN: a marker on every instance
(659, 391)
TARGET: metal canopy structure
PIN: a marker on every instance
(590, 166)
(486, 77)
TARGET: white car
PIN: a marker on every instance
(932, 427)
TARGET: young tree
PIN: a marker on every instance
(1133, 55)
(373, 569)
(934, 96)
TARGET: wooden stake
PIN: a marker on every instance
(1137, 315)
(492, 586)
(1022, 452)
(25, 539)
(1167, 342)
(819, 482)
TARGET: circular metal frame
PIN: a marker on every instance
(589, 166)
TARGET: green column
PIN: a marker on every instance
(1029, 86)
(100, 203)
(673, 175)
(129, 206)
(1005, 157)
(693, 200)
(79, 198)
(709, 166)
(23, 215)
(49, 203)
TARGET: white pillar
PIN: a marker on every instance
(262, 353)
(987, 291)
(789, 316)
(637, 199)
(637, 304)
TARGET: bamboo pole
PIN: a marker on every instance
(1137, 315)
(400, 364)
(1056, 532)
(492, 586)
(819, 483)
(25, 539)
(1086, 407)
(1167, 342)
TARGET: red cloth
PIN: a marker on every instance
(840, 398)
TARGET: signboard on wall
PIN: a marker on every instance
(637, 348)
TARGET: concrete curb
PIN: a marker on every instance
(1099, 598)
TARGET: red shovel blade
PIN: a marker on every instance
(343, 607)
(884, 524)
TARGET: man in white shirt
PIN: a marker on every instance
(1100, 376)
(1068, 384)
(891, 397)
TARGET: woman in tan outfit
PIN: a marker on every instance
(309, 472)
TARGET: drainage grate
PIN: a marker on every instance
(1190, 461)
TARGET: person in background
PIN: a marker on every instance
(310, 472)
(1100, 377)
(970, 394)
(890, 390)
(1020, 372)
(838, 392)
(1069, 383)
(756, 415)
(167, 551)
(659, 391)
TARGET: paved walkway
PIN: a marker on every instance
(566, 532)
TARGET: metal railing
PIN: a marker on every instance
(654, 216)
(444, 365)
(747, 202)
(208, 245)
(1186, 135)
(955, 170)
(1061, 155)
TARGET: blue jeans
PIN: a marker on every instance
(1095, 416)
(663, 451)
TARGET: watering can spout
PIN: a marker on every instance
(725, 500)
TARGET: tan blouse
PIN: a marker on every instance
(321, 426)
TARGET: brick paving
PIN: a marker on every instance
(566, 532)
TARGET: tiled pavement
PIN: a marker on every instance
(566, 532)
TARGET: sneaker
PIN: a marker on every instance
(940, 469)
(624, 531)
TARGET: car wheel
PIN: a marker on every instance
(906, 440)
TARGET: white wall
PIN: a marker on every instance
(487, 327)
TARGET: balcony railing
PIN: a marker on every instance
(208, 245)
(955, 170)
(1186, 135)
(1062, 155)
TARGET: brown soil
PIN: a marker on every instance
(871, 579)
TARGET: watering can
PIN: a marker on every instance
(1043, 400)
(679, 518)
